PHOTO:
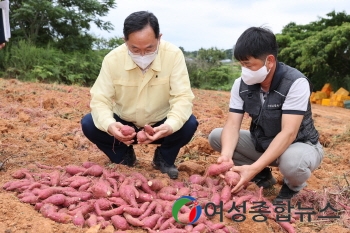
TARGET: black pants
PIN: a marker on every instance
(114, 149)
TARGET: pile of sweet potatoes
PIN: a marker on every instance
(90, 194)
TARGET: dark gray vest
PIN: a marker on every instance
(267, 118)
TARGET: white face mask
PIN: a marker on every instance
(143, 61)
(251, 77)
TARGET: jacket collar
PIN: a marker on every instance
(277, 76)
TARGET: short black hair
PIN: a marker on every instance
(138, 21)
(257, 42)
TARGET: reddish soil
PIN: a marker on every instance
(41, 123)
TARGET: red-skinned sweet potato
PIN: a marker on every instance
(216, 169)
(148, 129)
(141, 136)
(119, 222)
(127, 130)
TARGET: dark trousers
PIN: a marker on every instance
(114, 149)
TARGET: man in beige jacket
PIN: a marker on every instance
(142, 82)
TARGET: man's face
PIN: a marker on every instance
(143, 42)
(252, 63)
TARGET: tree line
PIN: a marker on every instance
(51, 42)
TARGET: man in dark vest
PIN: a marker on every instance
(282, 133)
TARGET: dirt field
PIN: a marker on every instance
(41, 123)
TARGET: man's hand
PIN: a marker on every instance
(247, 173)
(2, 45)
(159, 132)
(223, 158)
(115, 130)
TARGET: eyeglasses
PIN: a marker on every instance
(148, 51)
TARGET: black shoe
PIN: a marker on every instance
(129, 158)
(159, 163)
(264, 178)
(285, 194)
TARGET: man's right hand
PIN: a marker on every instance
(115, 130)
(223, 158)
(2, 45)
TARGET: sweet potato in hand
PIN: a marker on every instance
(127, 130)
(148, 129)
(141, 136)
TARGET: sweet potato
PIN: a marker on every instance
(133, 221)
(226, 194)
(120, 222)
(141, 136)
(30, 199)
(216, 169)
(201, 227)
(231, 178)
(103, 222)
(56, 199)
(113, 212)
(101, 189)
(17, 184)
(60, 217)
(78, 219)
(215, 198)
(148, 129)
(151, 221)
(88, 164)
(94, 170)
(91, 221)
(157, 184)
(79, 181)
(287, 226)
(127, 130)
(184, 218)
(55, 177)
(133, 211)
(70, 201)
(168, 196)
(83, 207)
(20, 174)
(196, 179)
(74, 169)
(129, 193)
(144, 197)
(118, 201)
(166, 224)
(144, 183)
(84, 196)
(47, 209)
(148, 211)
(185, 191)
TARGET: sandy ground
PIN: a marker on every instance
(41, 123)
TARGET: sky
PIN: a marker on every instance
(195, 24)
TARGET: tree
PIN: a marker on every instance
(321, 49)
(211, 56)
(64, 23)
(102, 43)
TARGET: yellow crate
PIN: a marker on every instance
(342, 91)
(319, 95)
(326, 102)
(337, 103)
(327, 88)
(341, 97)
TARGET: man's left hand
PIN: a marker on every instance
(159, 132)
(247, 172)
